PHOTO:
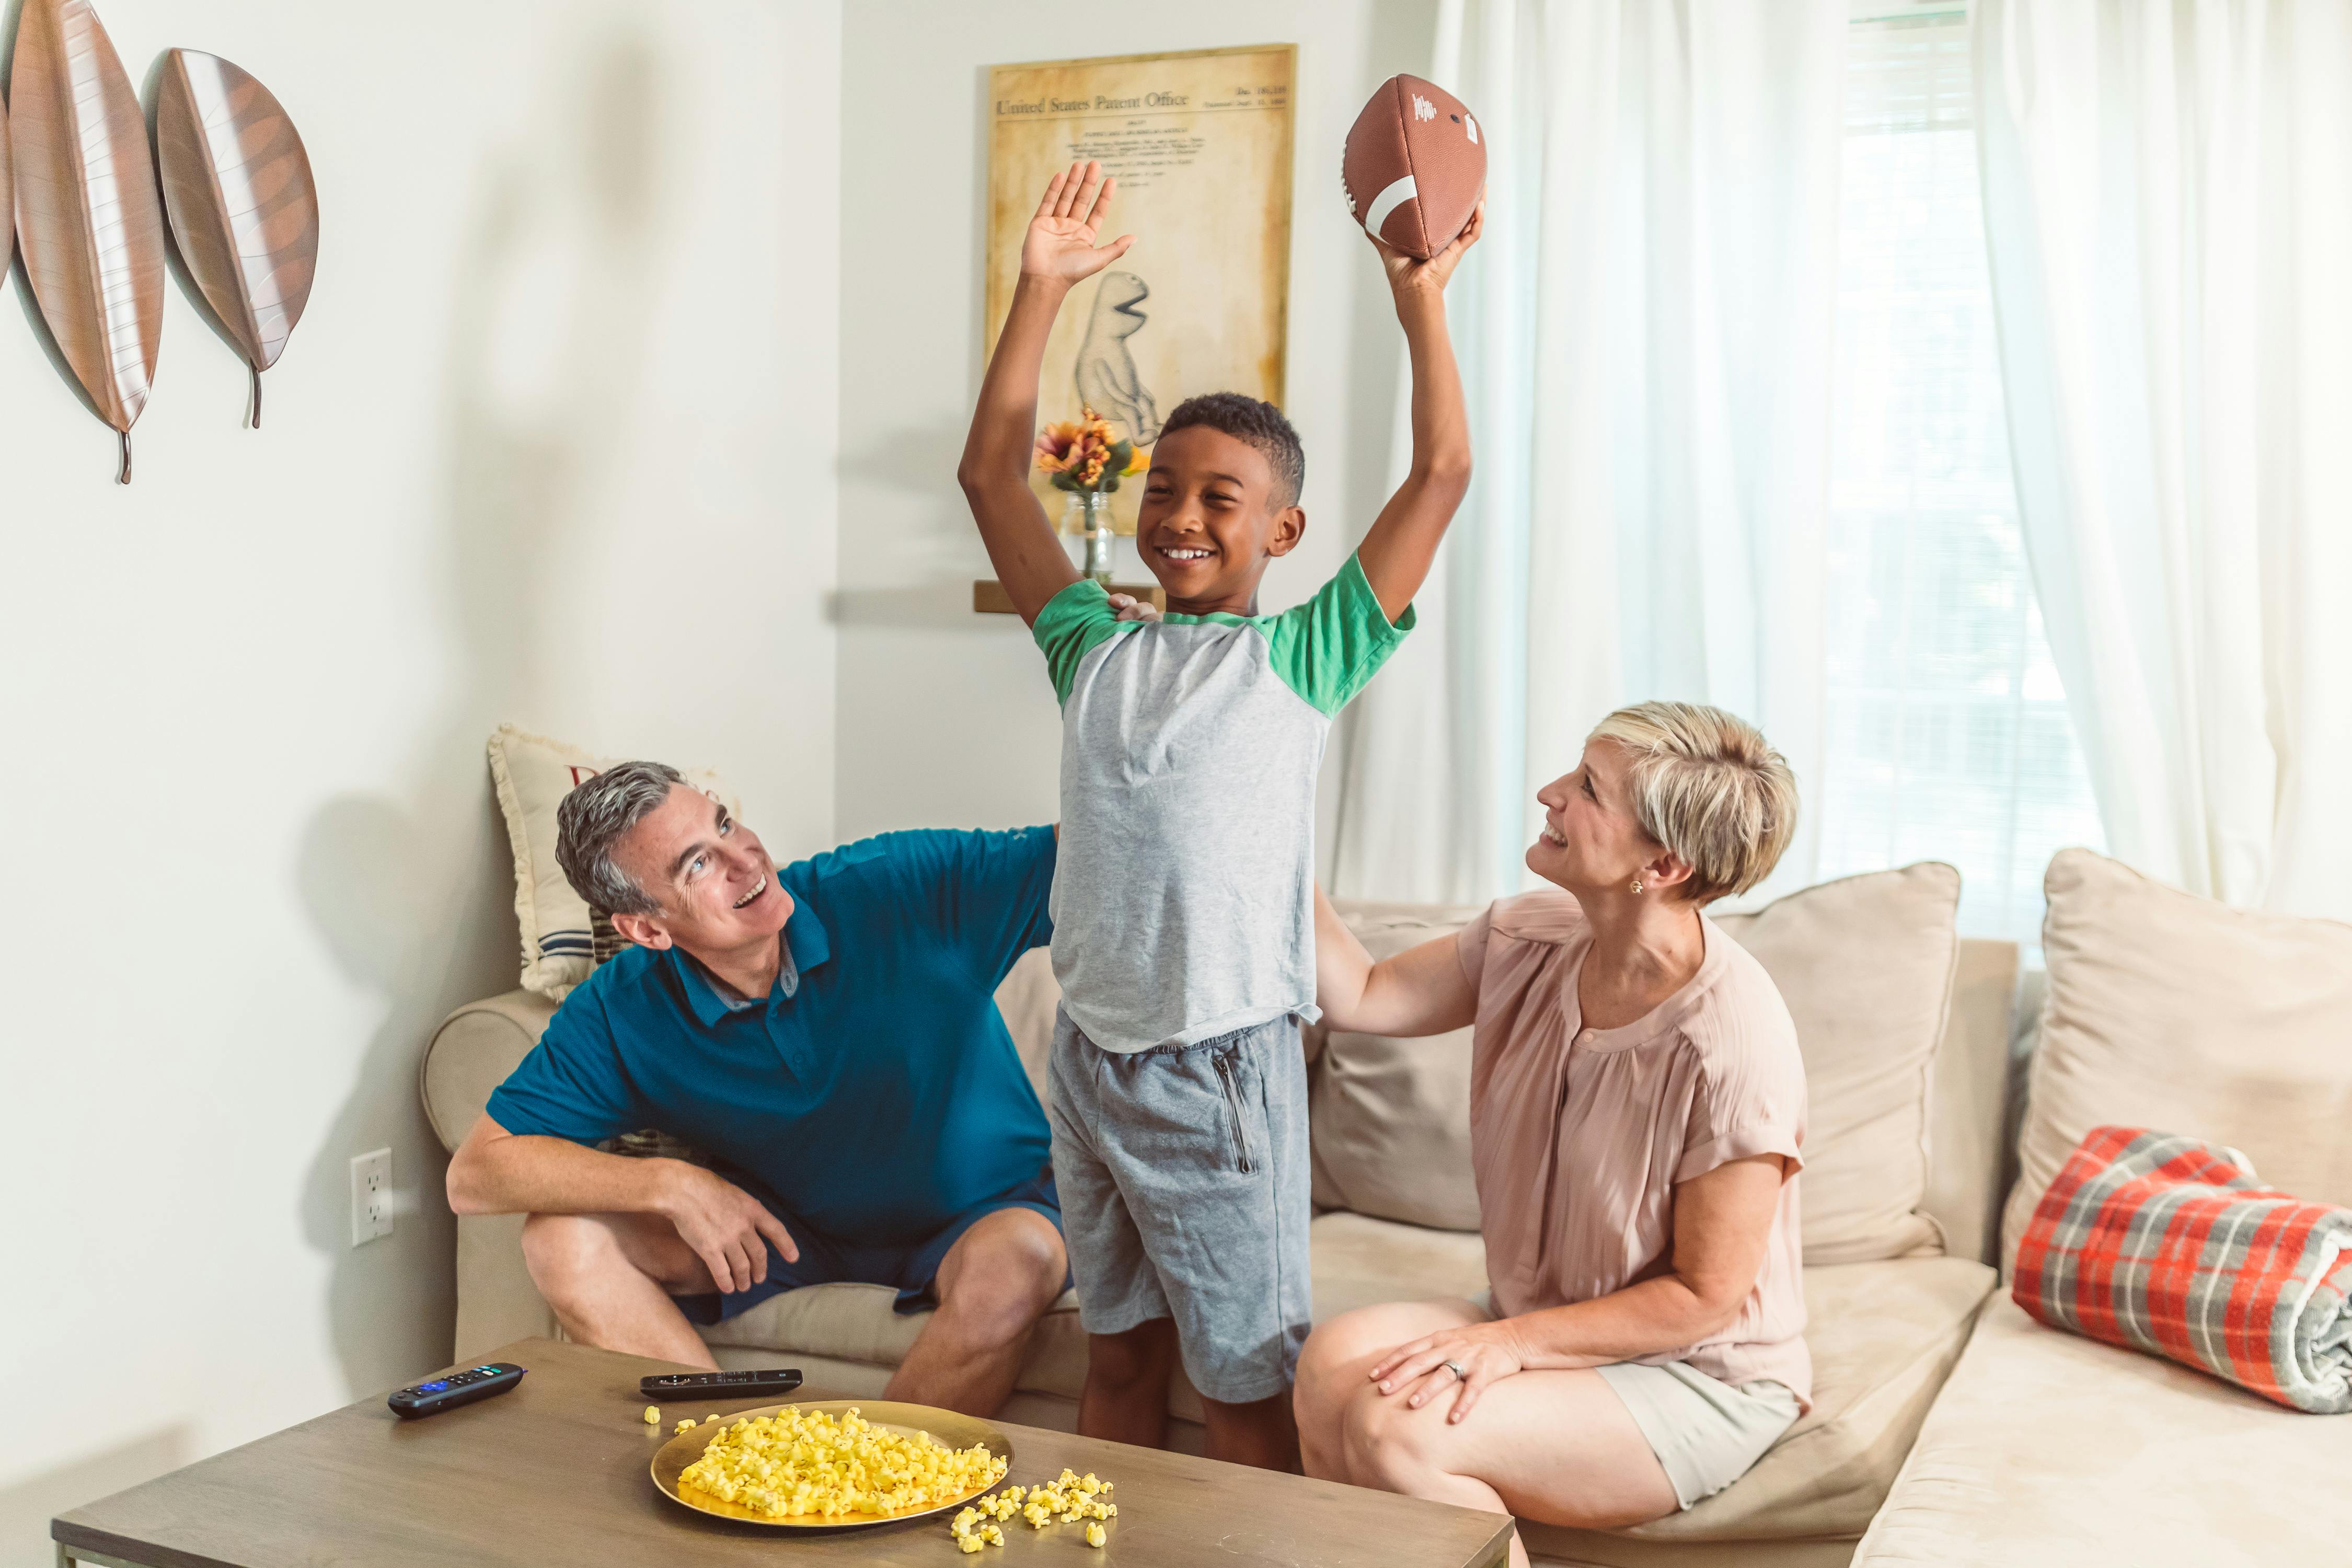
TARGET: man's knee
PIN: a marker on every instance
(1010, 1269)
(571, 1256)
(563, 1249)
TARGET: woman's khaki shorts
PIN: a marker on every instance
(1706, 1434)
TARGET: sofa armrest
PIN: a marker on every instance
(497, 1302)
(470, 1055)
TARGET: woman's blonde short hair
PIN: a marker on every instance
(1710, 788)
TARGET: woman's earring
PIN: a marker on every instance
(1637, 884)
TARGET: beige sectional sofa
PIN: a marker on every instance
(1908, 1037)
(2045, 1449)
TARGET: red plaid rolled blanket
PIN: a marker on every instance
(2168, 1245)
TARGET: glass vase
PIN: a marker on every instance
(1088, 515)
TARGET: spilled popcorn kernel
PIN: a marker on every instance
(1094, 1535)
(685, 1426)
(653, 1415)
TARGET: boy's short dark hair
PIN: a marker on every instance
(1262, 425)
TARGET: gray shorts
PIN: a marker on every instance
(1705, 1433)
(1184, 1185)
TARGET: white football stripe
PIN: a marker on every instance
(1399, 192)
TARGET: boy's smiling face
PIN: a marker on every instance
(1210, 520)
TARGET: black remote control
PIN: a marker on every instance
(725, 1384)
(457, 1388)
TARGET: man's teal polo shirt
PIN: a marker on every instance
(876, 1101)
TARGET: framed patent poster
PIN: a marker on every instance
(1200, 145)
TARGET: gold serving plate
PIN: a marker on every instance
(906, 1420)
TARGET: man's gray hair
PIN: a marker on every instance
(595, 817)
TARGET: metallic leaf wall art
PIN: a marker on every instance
(244, 211)
(7, 202)
(86, 212)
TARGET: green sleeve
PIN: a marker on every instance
(1328, 649)
(1069, 627)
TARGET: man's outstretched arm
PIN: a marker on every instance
(1397, 553)
(1059, 251)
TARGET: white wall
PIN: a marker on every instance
(945, 715)
(553, 444)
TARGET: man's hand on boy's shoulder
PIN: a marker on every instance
(1131, 608)
(1060, 245)
(1411, 275)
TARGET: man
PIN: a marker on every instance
(825, 1032)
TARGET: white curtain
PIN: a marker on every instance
(2169, 211)
(1647, 340)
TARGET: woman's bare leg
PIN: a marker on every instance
(1558, 1447)
(1338, 1361)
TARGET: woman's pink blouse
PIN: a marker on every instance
(1577, 1136)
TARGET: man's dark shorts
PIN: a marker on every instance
(911, 1270)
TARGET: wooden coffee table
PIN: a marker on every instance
(555, 1472)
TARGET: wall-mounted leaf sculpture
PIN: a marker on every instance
(86, 213)
(7, 202)
(244, 210)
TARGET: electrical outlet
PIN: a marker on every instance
(371, 1196)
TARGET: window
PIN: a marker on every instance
(1948, 733)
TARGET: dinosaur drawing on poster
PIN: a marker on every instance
(1107, 378)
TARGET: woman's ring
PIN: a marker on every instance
(1456, 1368)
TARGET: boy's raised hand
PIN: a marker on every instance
(1060, 244)
(1409, 273)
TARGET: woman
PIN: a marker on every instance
(1637, 1110)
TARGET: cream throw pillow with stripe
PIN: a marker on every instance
(563, 939)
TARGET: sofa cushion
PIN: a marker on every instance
(1389, 1118)
(2167, 1010)
(1884, 1336)
(1866, 966)
(2046, 1449)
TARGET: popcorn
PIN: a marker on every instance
(1094, 1536)
(653, 1415)
(807, 1462)
(685, 1426)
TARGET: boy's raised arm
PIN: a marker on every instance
(1397, 553)
(1059, 251)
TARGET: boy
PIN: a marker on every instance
(1182, 904)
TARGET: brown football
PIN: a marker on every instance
(1414, 165)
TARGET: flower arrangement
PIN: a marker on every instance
(1082, 457)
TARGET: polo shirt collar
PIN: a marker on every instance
(804, 940)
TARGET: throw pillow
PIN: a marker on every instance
(2168, 1010)
(1390, 1119)
(2170, 1245)
(1865, 965)
(561, 936)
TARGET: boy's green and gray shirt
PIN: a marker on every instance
(1183, 902)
